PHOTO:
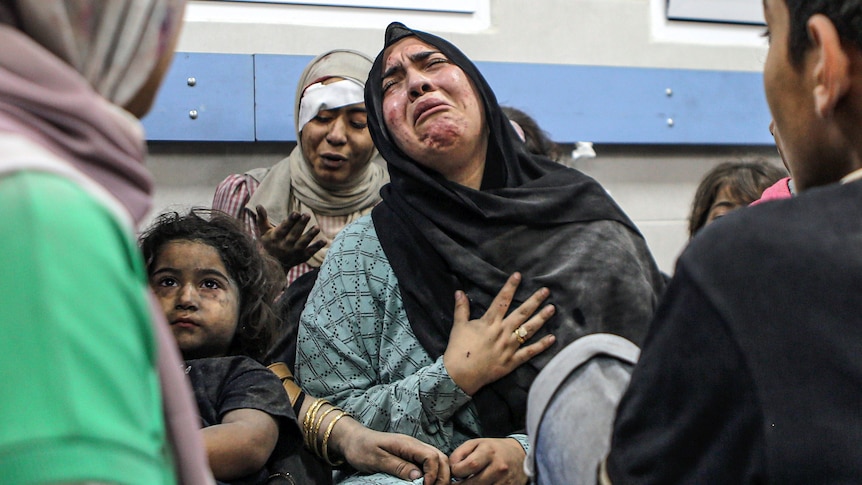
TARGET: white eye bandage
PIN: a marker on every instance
(319, 97)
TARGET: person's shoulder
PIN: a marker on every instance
(25, 189)
(360, 232)
(363, 224)
(225, 365)
(771, 232)
(355, 250)
(217, 372)
(48, 203)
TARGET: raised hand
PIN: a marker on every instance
(489, 461)
(286, 242)
(483, 350)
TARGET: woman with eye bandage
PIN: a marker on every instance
(329, 179)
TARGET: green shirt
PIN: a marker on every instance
(81, 397)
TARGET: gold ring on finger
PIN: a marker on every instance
(521, 334)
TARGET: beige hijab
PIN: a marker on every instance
(290, 185)
(114, 44)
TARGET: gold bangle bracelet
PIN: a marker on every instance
(326, 434)
(316, 431)
(308, 421)
(308, 413)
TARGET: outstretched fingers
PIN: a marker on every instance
(263, 225)
(525, 321)
(291, 229)
(526, 312)
(527, 352)
(501, 302)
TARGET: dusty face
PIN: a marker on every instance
(199, 298)
(432, 110)
(337, 144)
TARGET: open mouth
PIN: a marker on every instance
(333, 160)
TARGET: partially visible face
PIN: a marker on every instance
(141, 103)
(723, 204)
(776, 135)
(786, 94)
(814, 152)
(337, 144)
(432, 109)
(198, 296)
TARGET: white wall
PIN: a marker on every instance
(630, 33)
(654, 185)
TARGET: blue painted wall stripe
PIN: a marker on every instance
(221, 97)
(246, 98)
(275, 79)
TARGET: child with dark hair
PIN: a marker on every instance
(212, 284)
(216, 289)
(222, 237)
(729, 186)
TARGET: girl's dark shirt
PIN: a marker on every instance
(224, 384)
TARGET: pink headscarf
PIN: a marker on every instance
(778, 190)
(66, 67)
(112, 48)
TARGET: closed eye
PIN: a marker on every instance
(388, 84)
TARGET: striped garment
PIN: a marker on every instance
(234, 192)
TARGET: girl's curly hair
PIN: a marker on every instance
(256, 274)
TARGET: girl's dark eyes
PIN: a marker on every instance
(211, 284)
(358, 125)
(167, 282)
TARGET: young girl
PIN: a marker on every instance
(213, 287)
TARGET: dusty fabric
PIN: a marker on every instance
(751, 369)
(225, 384)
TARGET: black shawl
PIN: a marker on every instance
(555, 225)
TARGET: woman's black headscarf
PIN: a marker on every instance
(531, 215)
